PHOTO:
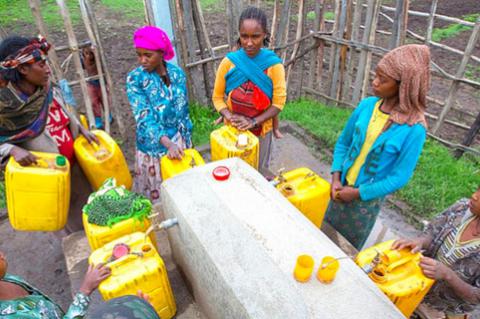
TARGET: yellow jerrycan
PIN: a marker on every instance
(227, 142)
(397, 273)
(307, 191)
(172, 167)
(98, 236)
(136, 265)
(38, 196)
(100, 162)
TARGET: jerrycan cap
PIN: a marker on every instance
(120, 250)
(60, 160)
(221, 173)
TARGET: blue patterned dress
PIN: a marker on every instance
(159, 110)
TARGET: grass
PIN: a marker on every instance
(213, 5)
(202, 118)
(452, 30)
(130, 9)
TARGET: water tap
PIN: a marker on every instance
(166, 224)
(279, 178)
(368, 268)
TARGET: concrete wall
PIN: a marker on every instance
(237, 242)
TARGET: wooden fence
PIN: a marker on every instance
(332, 59)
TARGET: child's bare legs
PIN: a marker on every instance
(276, 129)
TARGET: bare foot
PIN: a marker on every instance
(277, 133)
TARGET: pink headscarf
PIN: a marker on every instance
(155, 39)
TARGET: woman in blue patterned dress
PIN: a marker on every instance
(157, 93)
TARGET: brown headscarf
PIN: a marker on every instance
(409, 65)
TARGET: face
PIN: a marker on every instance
(3, 265)
(149, 59)
(474, 203)
(251, 36)
(36, 73)
(384, 86)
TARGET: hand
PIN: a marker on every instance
(415, 245)
(434, 269)
(241, 122)
(144, 296)
(89, 135)
(22, 156)
(348, 194)
(175, 152)
(218, 121)
(94, 276)
(336, 188)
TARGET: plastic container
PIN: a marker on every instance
(397, 274)
(307, 191)
(98, 236)
(38, 196)
(328, 269)
(141, 269)
(227, 142)
(172, 167)
(303, 268)
(100, 162)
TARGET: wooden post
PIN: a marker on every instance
(72, 41)
(283, 25)
(470, 136)
(149, 18)
(273, 29)
(431, 19)
(234, 9)
(333, 46)
(3, 33)
(314, 55)
(399, 24)
(52, 54)
(336, 61)
(357, 14)
(298, 35)
(452, 92)
(198, 10)
(365, 55)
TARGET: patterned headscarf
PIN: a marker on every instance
(409, 65)
(155, 39)
(37, 50)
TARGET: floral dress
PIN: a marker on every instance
(38, 306)
(159, 110)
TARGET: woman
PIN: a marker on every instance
(157, 92)
(379, 147)
(452, 244)
(35, 117)
(19, 299)
(253, 80)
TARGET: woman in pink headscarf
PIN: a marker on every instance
(157, 92)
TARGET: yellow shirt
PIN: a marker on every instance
(375, 127)
(276, 73)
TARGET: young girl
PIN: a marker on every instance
(253, 79)
(379, 147)
(157, 92)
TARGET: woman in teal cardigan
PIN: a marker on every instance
(379, 147)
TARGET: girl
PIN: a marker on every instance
(253, 79)
(157, 92)
(378, 149)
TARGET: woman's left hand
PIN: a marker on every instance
(89, 135)
(434, 269)
(241, 122)
(348, 194)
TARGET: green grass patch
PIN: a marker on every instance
(213, 5)
(202, 118)
(329, 15)
(130, 9)
(14, 13)
(452, 30)
(439, 179)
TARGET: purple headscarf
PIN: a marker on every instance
(155, 39)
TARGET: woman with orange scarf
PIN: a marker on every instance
(379, 147)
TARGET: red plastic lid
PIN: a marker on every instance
(221, 173)
(120, 250)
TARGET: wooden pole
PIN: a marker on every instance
(470, 136)
(431, 19)
(198, 10)
(339, 34)
(298, 35)
(399, 24)
(452, 92)
(283, 25)
(234, 9)
(273, 29)
(54, 61)
(72, 40)
(333, 47)
(198, 28)
(357, 14)
(149, 18)
(314, 55)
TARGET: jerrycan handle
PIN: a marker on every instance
(402, 261)
(120, 261)
(42, 163)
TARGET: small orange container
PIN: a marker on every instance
(328, 269)
(303, 268)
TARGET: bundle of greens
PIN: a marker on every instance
(112, 204)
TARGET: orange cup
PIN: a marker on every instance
(303, 268)
(328, 269)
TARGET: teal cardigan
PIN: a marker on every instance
(391, 160)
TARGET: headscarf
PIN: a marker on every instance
(409, 65)
(155, 39)
(37, 50)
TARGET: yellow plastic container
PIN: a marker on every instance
(38, 196)
(100, 162)
(98, 236)
(227, 142)
(172, 167)
(397, 274)
(142, 269)
(307, 191)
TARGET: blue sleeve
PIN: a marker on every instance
(78, 308)
(149, 126)
(403, 167)
(345, 139)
